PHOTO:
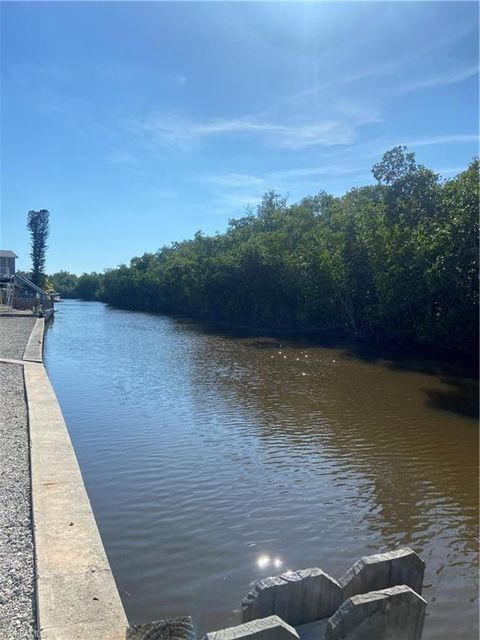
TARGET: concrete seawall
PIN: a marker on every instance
(34, 349)
(76, 595)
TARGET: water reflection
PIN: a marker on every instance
(417, 469)
(265, 562)
(209, 458)
(460, 397)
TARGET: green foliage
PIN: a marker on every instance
(64, 283)
(395, 164)
(38, 225)
(395, 262)
(88, 286)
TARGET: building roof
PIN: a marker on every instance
(6, 253)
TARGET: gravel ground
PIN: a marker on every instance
(14, 334)
(17, 618)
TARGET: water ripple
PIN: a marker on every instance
(203, 453)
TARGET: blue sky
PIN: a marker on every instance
(137, 124)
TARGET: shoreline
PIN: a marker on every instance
(386, 349)
(72, 593)
(407, 356)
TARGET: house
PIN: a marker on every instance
(19, 293)
(7, 262)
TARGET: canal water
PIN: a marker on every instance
(212, 460)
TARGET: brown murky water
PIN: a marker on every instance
(203, 453)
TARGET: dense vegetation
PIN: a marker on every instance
(88, 286)
(396, 261)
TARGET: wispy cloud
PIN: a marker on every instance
(310, 172)
(233, 203)
(372, 150)
(233, 180)
(450, 172)
(175, 132)
(445, 139)
(438, 80)
(236, 184)
(347, 79)
(427, 51)
(179, 80)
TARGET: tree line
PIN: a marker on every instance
(396, 262)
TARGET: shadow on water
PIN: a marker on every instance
(421, 360)
(461, 399)
(462, 396)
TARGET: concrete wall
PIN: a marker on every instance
(302, 597)
(34, 348)
(297, 597)
(384, 570)
(76, 594)
(397, 613)
(271, 628)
